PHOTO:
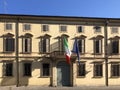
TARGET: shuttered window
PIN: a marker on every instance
(98, 70)
(9, 44)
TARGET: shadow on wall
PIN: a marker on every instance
(54, 46)
(7, 80)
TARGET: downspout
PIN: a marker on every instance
(106, 51)
(17, 52)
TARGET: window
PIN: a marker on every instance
(114, 29)
(9, 44)
(27, 69)
(63, 28)
(44, 45)
(27, 45)
(97, 46)
(81, 69)
(8, 26)
(98, 70)
(61, 46)
(61, 43)
(8, 69)
(115, 46)
(115, 70)
(80, 29)
(81, 45)
(46, 69)
(97, 29)
(27, 27)
(45, 28)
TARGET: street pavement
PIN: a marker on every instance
(60, 88)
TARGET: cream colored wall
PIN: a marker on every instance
(36, 77)
(3, 31)
(54, 32)
(89, 79)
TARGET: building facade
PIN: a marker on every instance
(32, 51)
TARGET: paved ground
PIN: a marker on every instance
(61, 88)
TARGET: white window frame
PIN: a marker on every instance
(83, 46)
(65, 26)
(26, 29)
(41, 45)
(97, 29)
(29, 47)
(100, 46)
(81, 27)
(8, 28)
(114, 30)
(4, 42)
(46, 28)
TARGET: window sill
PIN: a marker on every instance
(115, 77)
(44, 52)
(97, 54)
(7, 76)
(27, 76)
(82, 53)
(26, 52)
(44, 77)
(80, 76)
(115, 54)
(98, 77)
(9, 52)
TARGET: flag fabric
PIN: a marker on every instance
(67, 51)
(76, 49)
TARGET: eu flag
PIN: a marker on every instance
(76, 49)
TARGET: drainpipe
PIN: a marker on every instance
(106, 52)
(17, 52)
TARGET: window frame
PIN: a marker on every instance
(97, 29)
(26, 27)
(82, 50)
(29, 46)
(97, 49)
(8, 70)
(63, 28)
(45, 28)
(8, 26)
(82, 27)
(5, 45)
(61, 44)
(83, 69)
(49, 72)
(115, 72)
(96, 72)
(116, 30)
(44, 42)
(25, 73)
(113, 50)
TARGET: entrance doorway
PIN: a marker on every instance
(63, 74)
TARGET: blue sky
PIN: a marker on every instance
(84, 8)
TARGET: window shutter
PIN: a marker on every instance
(12, 44)
(83, 45)
(47, 45)
(4, 69)
(23, 44)
(29, 44)
(41, 45)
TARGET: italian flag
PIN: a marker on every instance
(67, 51)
